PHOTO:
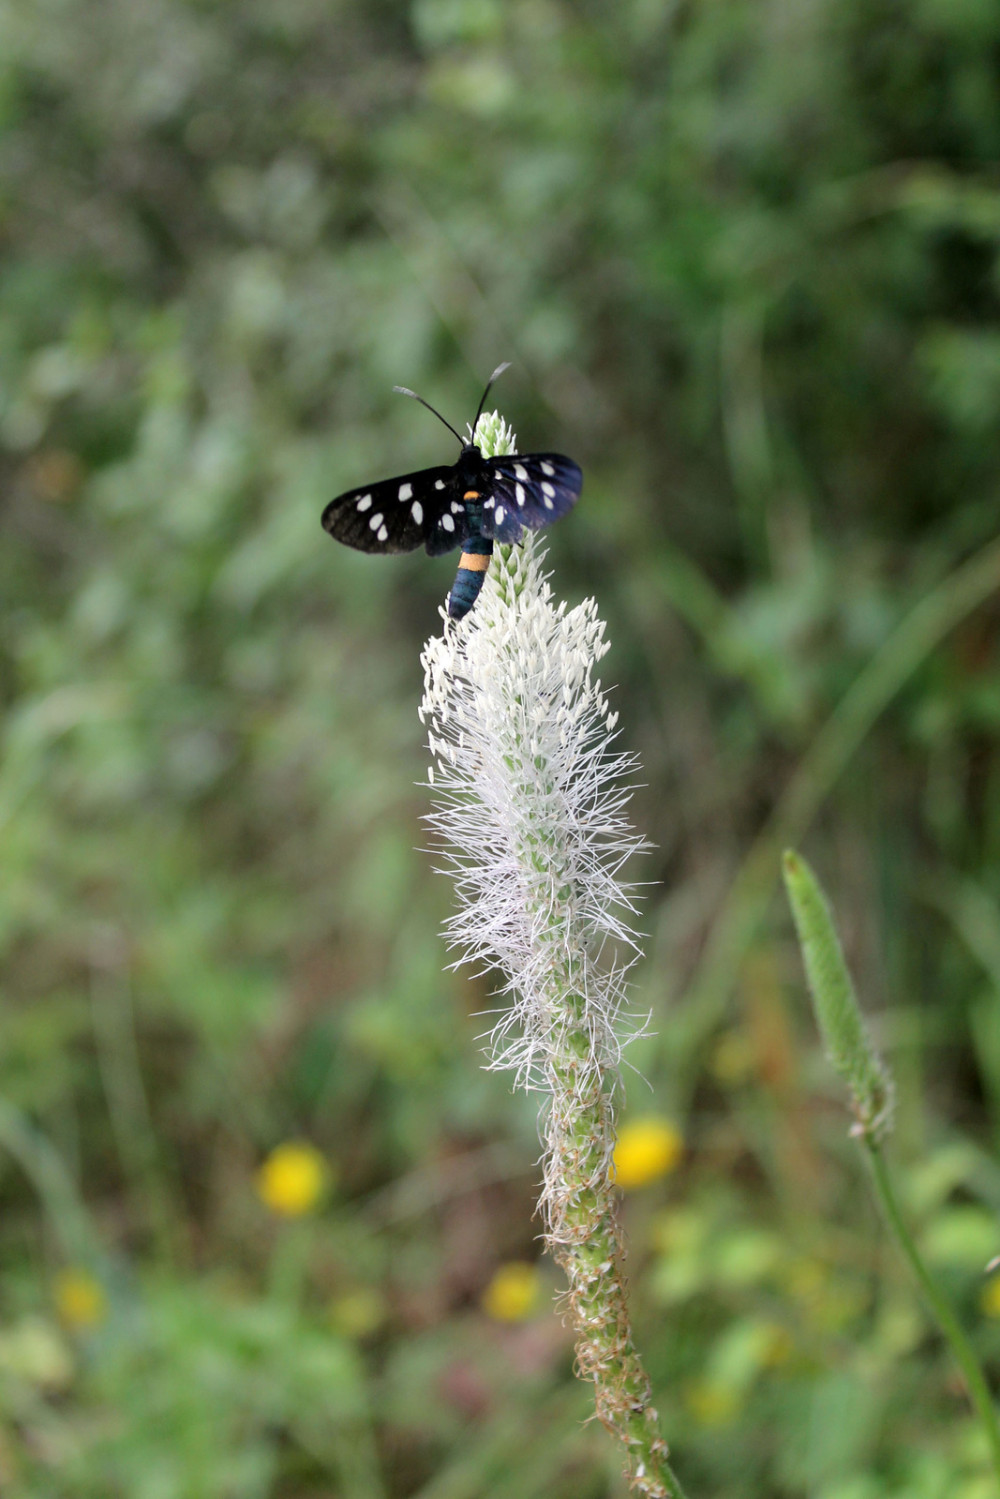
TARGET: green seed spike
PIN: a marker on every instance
(838, 1015)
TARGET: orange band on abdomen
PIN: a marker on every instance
(474, 562)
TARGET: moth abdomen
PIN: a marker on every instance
(472, 568)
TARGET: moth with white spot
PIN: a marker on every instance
(471, 503)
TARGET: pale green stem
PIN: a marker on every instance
(289, 1266)
(961, 1348)
(584, 1238)
(125, 1090)
(44, 1168)
(851, 1051)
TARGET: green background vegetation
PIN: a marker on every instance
(744, 256)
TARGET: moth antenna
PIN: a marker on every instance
(495, 376)
(401, 390)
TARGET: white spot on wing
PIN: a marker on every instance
(519, 491)
(547, 489)
(546, 502)
(548, 469)
(375, 522)
(447, 522)
(500, 515)
(382, 533)
(520, 470)
(405, 491)
(417, 511)
(364, 502)
(438, 483)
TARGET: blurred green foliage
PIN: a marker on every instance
(745, 259)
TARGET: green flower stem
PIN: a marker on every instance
(961, 1348)
(289, 1267)
(44, 1167)
(852, 1053)
(585, 1240)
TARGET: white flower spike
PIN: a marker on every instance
(530, 808)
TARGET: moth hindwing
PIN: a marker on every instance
(529, 490)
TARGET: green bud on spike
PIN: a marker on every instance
(838, 1014)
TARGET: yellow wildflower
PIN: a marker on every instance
(512, 1294)
(646, 1150)
(733, 1060)
(80, 1299)
(711, 1402)
(357, 1313)
(778, 1346)
(989, 1297)
(293, 1179)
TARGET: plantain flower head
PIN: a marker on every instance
(530, 809)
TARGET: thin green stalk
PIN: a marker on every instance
(128, 1106)
(961, 1348)
(585, 1240)
(869, 1082)
(44, 1168)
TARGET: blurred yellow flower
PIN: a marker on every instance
(80, 1299)
(357, 1312)
(989, 1297)
(734, 1059)
(778, 1346)
(293, 1179)
(646, 1150)
(711, 1402)
(512, 1294)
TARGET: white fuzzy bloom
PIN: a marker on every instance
(530, 808)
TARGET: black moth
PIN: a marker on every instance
(470, 504)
